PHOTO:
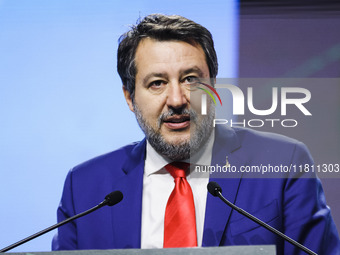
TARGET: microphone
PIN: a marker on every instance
(111, 199)
(215, 190)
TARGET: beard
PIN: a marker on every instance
(181, 150)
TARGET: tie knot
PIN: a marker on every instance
(177, 169)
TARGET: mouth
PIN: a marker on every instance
(177, 122)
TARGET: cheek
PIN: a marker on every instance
(196, 100)
(151, 106)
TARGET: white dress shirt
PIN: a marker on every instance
(157, 187)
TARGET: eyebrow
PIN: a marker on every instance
(194, 69)
(159, 75)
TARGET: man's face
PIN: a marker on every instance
(166, 72)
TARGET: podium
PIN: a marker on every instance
(226, 250)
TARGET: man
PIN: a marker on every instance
(161, 61)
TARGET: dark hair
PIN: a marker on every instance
(163, 28)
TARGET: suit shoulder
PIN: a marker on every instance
(265, 148)
(111, 159)
(251, 136)
(271, 145)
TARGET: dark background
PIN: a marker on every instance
(298, 39)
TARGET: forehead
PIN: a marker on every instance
(168, 56)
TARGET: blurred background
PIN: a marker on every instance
(297, 43)
(61, 101)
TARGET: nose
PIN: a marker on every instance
(177, 96)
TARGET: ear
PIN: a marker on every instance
(128, 98)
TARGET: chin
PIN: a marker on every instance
(178, 140)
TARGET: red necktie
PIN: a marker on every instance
(180, 220)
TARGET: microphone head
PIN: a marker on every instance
(214, 188)
(113, 198)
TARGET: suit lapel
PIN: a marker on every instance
(217, 213)
(126, 216)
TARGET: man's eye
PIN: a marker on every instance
(156, 84)
(191, 80)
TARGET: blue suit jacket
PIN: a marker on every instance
(295, 206)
